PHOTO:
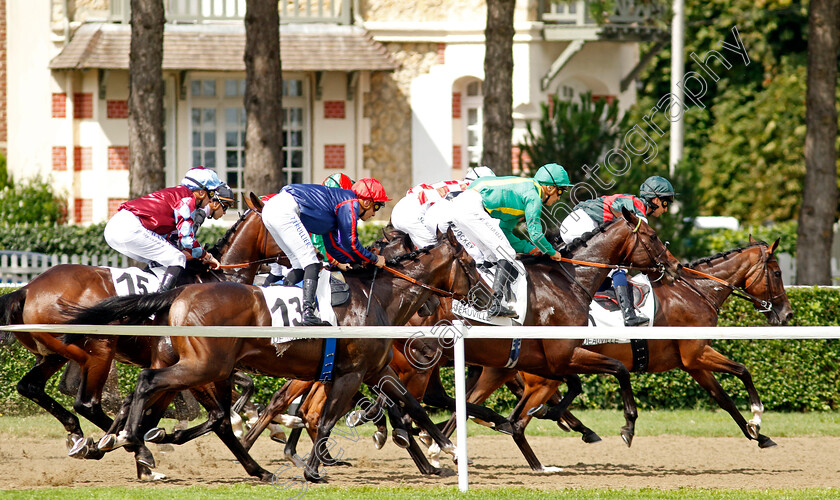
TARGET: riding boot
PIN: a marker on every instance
(271, 279)
(625, 300)
(170, 277)
(502, 290)
(310, 317)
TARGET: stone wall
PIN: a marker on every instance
(388, 156)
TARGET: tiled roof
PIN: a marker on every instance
(222, 48)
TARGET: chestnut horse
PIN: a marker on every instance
(692, 300)
(246, 241)
(202, 360)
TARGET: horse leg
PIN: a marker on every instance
(403, 438)
(32, 385)
(584, 361)
(707, 380)
(708, 359)
(206, 397)
(94, 374)
(338, 401)
(280, 401)
(436, 396)
(571, 422)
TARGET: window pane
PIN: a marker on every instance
(297, 177)
(196, 139)
(195, 88)
(297, 159)
(233, 179)
(209, 118)
(210, 159)
(231, 116)
(208, 88)
(231, 159)
(293, 88)
(210, 139)
(196, 159)
(195, 113)
(231, 88)
(472, 116)
(472, 89)
(295, 117)
(241, 87)
(230, 139)
(296, 138)
(472, 139)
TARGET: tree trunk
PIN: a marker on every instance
(819, 196)
(145, 98)
(498, 87)
(263, 98)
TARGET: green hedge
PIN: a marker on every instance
(790, 375)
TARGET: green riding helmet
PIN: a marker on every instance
(656, 186)
(553, 174)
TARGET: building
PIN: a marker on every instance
(378, 88)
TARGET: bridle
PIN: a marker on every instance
(435, 290)
(760, 305)
(264, 244)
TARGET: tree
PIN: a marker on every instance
(819, 198)
(263, 98)
(145, 98)
(498, 87)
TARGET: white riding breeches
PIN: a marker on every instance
(469, 216)
(281, 216)
(408, 216)
(575, 224)
(126, 234)
(439, 218)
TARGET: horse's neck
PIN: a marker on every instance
(733, 269)
(245, 244)
(394, 301)
(599, 249)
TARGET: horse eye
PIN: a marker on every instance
(778, 274)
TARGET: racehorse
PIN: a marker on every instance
(751, 272)
(201, 360)
(246, 241)
(557, 296)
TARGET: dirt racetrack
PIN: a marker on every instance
(663, 462)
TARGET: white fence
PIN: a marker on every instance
(21, 267)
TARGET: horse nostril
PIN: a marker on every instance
(788, 316)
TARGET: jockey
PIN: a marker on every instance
(337, 180)
(139, 228)
(300, 209)
(409, 214)
(490, 208)
(656, 194)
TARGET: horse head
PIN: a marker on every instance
(249, 244)
(763, 283)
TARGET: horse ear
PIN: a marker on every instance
(775, 245)
(255, 204)
(450, 235)
(628, 214)
(752, 240)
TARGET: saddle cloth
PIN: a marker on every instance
(604, 311)
(467, 312)
(133, 280)
(286, 304)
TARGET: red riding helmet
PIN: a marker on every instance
(370, 189)
(338, 181)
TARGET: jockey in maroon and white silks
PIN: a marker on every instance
(140, 227)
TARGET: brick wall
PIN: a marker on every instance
(117, 109)
(334, 109)
(441, 53)
(456, 105)
(114, 205)
(334, 156)
(59, 158)
(117, 157)
(82, 158)
(82, 210)
(59, 105)
(83, 105)
(456, 157)
(4, 123)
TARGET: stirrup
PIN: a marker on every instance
(499, 309)
(312, 319)
(635, 320)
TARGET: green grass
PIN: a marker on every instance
(693, 423)
(367, 493)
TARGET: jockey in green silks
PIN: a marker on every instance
(489, 210)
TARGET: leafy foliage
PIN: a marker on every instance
(31, 201)
(55, 239)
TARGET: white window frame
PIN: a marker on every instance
(472, 102)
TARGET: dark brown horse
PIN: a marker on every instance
(39, 302)
(203, 361)
(692, 300)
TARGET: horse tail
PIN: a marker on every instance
(11, 307)
(130, 309)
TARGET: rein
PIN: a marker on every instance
(445, 293)
(246, 264)
(740, 292)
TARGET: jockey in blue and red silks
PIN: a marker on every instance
(140, 226)
(300, 209)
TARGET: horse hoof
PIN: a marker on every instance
(753, 430)
(144, 457)
(590, 437)
(379, 439)
(93, 453)
(355, 418)
(627, 436)
(156, 435)
(538, 411)
(314, 477)
(339, 463)
(107, 443)
(765, 442)
(400, 438)
(278, 437)
(79, 448)
(505, 428)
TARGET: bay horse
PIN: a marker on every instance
(558, 294)
(39, 302)
(691, 300)
(752, 273)
(201, 360)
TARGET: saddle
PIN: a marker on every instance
(607, 300)
(340, 292)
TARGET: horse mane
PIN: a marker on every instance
(724, 255)
(216, 249)
(567, 250)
